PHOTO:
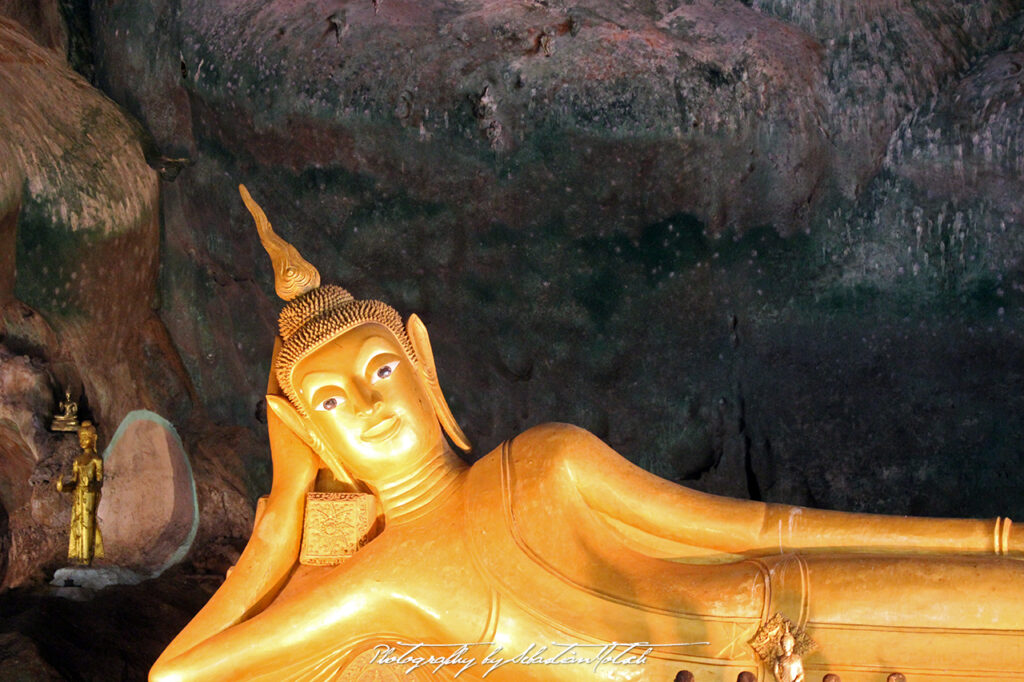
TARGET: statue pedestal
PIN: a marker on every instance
(79, 582)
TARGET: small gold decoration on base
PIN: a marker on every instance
(335, 526)
(782, 645)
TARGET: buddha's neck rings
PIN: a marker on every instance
(421, 488)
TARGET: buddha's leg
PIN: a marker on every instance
(88, 525)
(919, 616)
(74, 531)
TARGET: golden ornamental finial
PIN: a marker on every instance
(293, 274)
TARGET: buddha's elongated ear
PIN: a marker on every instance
(274, 388)
(417, 332)
(299, 425)
(285, 411)
(295, 422)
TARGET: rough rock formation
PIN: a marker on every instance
(116, 636)
(34, 532)
(691, 227)
(21, 661)
(84, 201)
(146, 470)
(79, 238)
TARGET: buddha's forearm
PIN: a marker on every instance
(264, 565)
(743, 527)
(632, 496)
(230, 655)
(786, 528)
(208, 660)
(296, 631)
(271, 552)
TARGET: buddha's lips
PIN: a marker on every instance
(382, 430)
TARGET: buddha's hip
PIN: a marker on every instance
(868, 616)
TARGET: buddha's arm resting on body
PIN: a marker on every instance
(316, 628)
(652, 506)
(290, 636)
(271, 553)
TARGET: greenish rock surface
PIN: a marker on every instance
(79, 250)
(767, 248)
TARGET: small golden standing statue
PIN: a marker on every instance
(85, 541)
(67, 419)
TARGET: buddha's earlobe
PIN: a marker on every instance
(417, 332)
(302, 429)
(284, 410)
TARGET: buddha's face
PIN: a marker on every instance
(86, 438)
(367, 402)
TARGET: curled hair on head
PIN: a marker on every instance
(323, 314)
(88, 429)
(313, 314)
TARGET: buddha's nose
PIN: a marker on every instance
(364, 399)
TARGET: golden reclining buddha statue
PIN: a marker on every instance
(553, 557)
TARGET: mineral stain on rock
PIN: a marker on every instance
(771, 248)
(602, 189)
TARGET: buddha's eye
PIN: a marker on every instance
(330, 403)
(383, 372)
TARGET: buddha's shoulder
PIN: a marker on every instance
(546, 445)
(533, 461)
(556, 437)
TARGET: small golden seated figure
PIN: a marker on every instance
(67, 418)
(84, 541)
(552, 548)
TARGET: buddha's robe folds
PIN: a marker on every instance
(562, 571)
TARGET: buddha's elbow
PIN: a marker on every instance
(160, 674)
(165, 671)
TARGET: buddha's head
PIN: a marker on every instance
(361, 387)
(788, 642)
(87, 436)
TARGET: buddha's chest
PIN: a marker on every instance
(427, 562)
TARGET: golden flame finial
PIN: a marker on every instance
(293, 274)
